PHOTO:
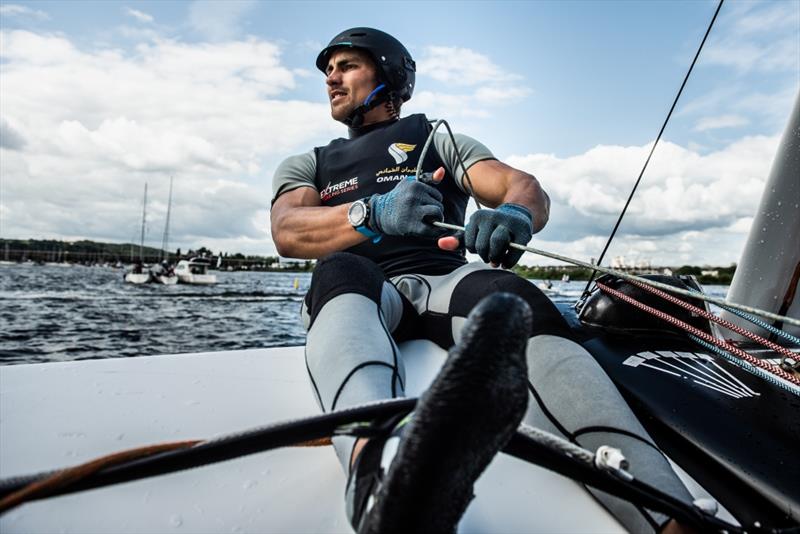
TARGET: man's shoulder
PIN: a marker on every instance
(303, 160)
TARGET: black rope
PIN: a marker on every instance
(663, 127)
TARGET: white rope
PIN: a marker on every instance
(665, 287)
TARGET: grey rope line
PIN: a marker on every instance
(625, 276)
(553, 442)
(750, 368)
(766, 326)
(427, 145)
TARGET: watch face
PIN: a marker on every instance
(357, 213)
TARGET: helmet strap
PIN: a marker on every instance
(377, 97)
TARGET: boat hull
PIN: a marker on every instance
(62, 414)
(198, 279)
(137, 278)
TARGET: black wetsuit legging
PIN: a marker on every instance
(356, 316)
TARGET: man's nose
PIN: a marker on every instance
(333, 78)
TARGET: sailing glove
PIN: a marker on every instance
(489, 233)
(407, 210)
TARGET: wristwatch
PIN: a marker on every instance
(358, 215)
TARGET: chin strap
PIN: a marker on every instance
(373, 100)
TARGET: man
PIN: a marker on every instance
(386, 274)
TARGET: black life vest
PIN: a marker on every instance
(375, 161)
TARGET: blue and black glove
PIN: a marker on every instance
(407, 210)
(489, 233)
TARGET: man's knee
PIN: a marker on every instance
(473, 287)
(340, 273)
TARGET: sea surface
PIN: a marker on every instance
(73, 312)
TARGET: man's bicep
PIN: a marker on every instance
(489, 181)
(301, 197)
(293, 173)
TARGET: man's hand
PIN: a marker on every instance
(408, 209)
(489, 233)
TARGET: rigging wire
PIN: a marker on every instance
(653, 148)
(793, 381)
(691, 294)
(427, 145)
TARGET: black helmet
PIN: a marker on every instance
(396, 68)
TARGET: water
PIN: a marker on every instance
(60, 313)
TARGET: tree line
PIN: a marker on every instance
(94, 252)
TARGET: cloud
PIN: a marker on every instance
(218, 20)
(461, 66)
(18, 11)
(141, 16)
(760, 37)
(464, 83)
(10, 139)
(86, 129)
(688, 204)
(722, 121)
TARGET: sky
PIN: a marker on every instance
(99, 98)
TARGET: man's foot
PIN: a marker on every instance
(467, 415)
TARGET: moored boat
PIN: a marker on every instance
(195, 271)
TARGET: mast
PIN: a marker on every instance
(144, 218)
(768, 273)
(165, 239)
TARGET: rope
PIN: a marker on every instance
(775, 370)
(766, 326)
(658, 137)
(746, 366)
(427, 145)
(722, 322)
(71, 475)
(653, 283)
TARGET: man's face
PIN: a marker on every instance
(350, 77)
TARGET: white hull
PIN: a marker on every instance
(60, 414)
(135, 278)
(198, 279)
(166, 280)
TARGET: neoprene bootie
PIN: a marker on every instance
(466, 416)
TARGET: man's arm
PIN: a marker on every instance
(496, 183)
(303, 228)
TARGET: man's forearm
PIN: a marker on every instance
(524, 189)
(313, 232)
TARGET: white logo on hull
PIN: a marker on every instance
(697, 367)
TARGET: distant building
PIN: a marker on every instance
(290, 263)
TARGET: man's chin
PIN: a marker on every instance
(340, 113)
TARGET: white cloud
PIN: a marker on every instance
(760, 37)
(722, 121)
(694, 207)
(470, 84)
(16, 10)
(10, 138)
(98, 124)
(141, 16)
(218, 20)
(461, 66)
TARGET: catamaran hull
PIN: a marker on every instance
(61, 414)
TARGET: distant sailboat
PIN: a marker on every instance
(165, 272)
(138, 274)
